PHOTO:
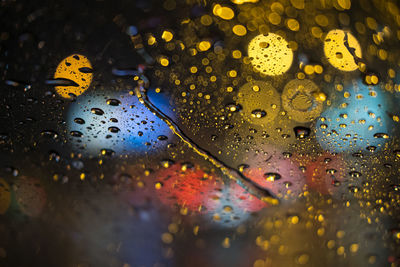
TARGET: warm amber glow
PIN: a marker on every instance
(342, 50)
(270, 54)
(302, 100)
(240, 2)
(223, 12)
(167, 36)
(239, 30)
(76, 68)
(260, 102)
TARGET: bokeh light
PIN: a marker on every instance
(270, 54)
(77, 69)
(356, 121)
(260, 102)
(302, 100)
(342, 50)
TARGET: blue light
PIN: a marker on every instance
(118, 122)
(361, 125)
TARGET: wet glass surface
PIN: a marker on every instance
(199, 133)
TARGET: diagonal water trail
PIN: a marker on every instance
(141, 93)
(229, 172)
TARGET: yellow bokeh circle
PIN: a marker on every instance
(342, 50)
(270, 54)
(260, 102)
(301, 100)
(77, 69)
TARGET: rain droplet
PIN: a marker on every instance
(381, 135)
(113, 129)
(113, 102)
(331, 171)
(358, 155)
(242, 167)
(187, 166)
(53, 155)
(166, 163)
(107, 152)
(272, 176)
(162, 137)
(233, 107)
(258, 113)
(79, 120)
(301, 132)
(76, 134)
(97, 111)
(355, 174)
(49, 133)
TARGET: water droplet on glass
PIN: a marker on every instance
(166, 163)
(97, 111)
(233, 107)
(242, 167)
(76, 134)
(301, 132)
(79, 121)
(381, 135)
(162, 137)
(355, 174)
(49, 134)
(258, 113)
(107, 152)
(113, 102)
(54, 156)
(113, 129)
(272, 176)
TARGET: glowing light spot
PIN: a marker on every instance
(342, 50)
(223, 12)
(260, 102)
(240, 2)
(236, 54)
(151, 40)
(77, 69)
(270, 54)
(239, 30)
(274, 18)
(345, 4)
(164, 61)
(299, 4)
(206, 20)
(203, 46)
(293, 25)
(167, 36)
(302, 100)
